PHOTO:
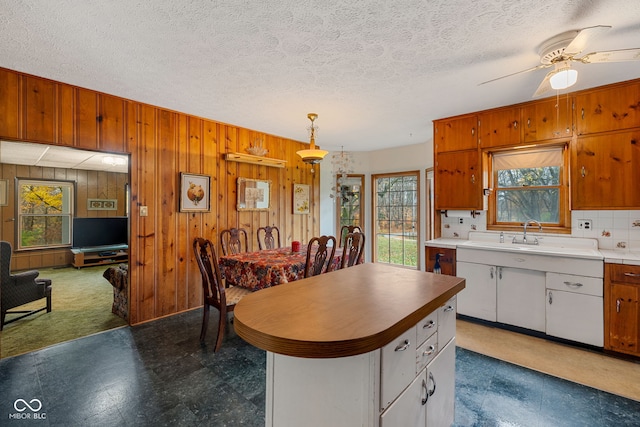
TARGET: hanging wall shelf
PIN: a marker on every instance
(256, 160)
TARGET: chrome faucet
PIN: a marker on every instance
(524, 235)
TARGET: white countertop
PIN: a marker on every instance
(609, 256)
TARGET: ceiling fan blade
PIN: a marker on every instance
(545, 86)
(585, 35)
(538, 67)
(611, 56)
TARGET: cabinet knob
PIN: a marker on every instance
(430, 324)
(550, 298)
(403, 346)
(448, 309)
(426, 392)
(433, 380)
(618, 303)
(429, 351)
(473, 179)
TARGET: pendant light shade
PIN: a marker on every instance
(312, 155)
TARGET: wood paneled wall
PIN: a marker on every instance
(163, 274)
(89, 185)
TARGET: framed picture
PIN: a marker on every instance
(195, 192)
(102, 204)
(4, 192)
(301, 199)
(254, 194)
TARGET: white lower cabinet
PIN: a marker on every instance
(520, 298)
(409, 382)
(441, 385)
(575, 308)
(478, 298)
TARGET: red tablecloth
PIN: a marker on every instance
(269, 267)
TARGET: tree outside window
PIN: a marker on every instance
(44, 213)
(396, 219)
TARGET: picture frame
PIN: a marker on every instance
(102, 204)
(4, 192)
(254, 194)
(195, 192)
(301, 199)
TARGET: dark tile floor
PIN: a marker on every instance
(158, 374)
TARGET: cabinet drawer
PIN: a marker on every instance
(426, 327)
(426, 352)
(398, 366)
(577, 284)
(446, 322)
(624, 273)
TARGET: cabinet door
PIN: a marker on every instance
(9, 95)
(608, 109)
(455, 134)
(441, 385)
(447, 260)
(111, 122)
(478, 298)
(458, 181)
(40, 110)
(398, 366)
(500, 128)
(521, 297)
(624, 318)
(409, 409)
(576, 317)
(605, 172)
(550, 119)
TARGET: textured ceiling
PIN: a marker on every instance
(376, 71)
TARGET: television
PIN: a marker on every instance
(94, 232)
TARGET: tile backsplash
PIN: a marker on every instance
(615, 230)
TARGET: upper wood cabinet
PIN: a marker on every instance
(548, 119)
(99, 121)
(455, 134)
(608, 109)
(9, 95)
(39, 110)
(458, 181)
(605, 172)
(499, 128)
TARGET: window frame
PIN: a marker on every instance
(564, 213)
(374, 215)
(19, 182)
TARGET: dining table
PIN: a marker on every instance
(268, 267)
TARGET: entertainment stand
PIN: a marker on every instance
(98, 255)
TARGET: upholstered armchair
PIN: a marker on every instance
(20, 288)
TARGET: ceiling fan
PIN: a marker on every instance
(559, 51)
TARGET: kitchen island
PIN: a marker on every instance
(359, 346)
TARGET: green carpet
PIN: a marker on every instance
(81, 306)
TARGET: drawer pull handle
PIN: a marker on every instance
(631, 274)
(618, 303)
(574, 285)
(403, 347)
(429, 325)
(426, 392)
(433, 380)
(429, 351)
(448, 309)
(550, 298)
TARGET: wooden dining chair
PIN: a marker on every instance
(233, 241)
(346, 229)
(320, 255)
(215, 291)
(268, 237)
(353, 250)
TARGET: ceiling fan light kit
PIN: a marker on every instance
(563, 78)
(559, 51)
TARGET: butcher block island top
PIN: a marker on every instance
(343, 313)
